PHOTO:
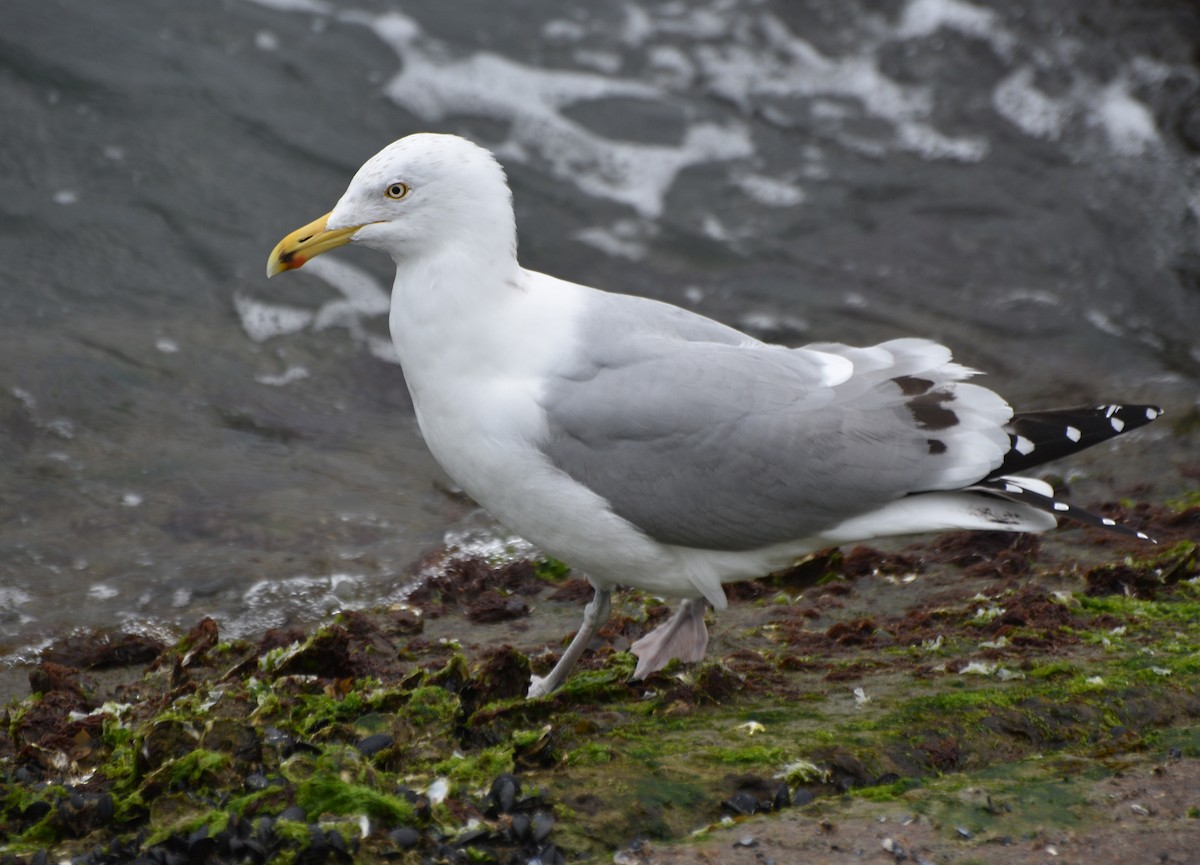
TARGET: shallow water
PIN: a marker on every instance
(179, 438)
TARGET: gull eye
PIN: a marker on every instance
(396, 190)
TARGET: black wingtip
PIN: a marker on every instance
(1042, 436)
(1013, 490)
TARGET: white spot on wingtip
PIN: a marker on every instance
(1107, 521)
(1061, 506)
(1074, 434)
(1117, 423)
(1023, 446)
(1152, 413)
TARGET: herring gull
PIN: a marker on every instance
(650, 446)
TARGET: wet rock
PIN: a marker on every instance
(579, 589)
(286, 744)
(405, 837)
(35, 812)
(256, 782)
(49, 677)
(503, 795)
(195, 645)
(520, 826)
(471, 837)
(741, 804)
(98, 651)
(80, 813)
(200, 846)
(492, 606)
(277, 638)
(327, 654)
(782, 798)
(891, 846)
(503, 675)
(985, 554)
(802, 797)
(537, 753)
(233, 737)
(1123, 579)
(463, 582)
(404, 622)
(372, 745)
(294, 813)
(540, 826)
(848, 771)
(821, 566)
(715, 684)
(165, 741)
(47, 719)
(865, 561)
(860, 632)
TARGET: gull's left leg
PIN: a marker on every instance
(595, 614)
(682, 636)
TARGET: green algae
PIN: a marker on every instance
(327, 793)
(476, 770)
(658, 759)
(429, 706)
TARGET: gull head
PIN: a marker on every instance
(418, 195)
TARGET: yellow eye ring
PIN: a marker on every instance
(396, 190)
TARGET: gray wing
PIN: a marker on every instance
(702, 437)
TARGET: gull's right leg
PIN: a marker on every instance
(595, 614)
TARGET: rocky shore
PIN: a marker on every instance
(972, 697)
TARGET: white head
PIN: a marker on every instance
(415, 197)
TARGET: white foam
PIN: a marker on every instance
(166, 345)
(265, 40)
(11, 598)
(560, 30)
(433, 83)
(273, 603)
(101, 592)
(670, 66)
(713, 228)
(362, 296)
(61, 427)
(262, 321)
(743, 54)
(383, 349)
(607, 62)
(289, 375)
(1103, 322)
(25, 398)
(1128, 123)
(312, 6)
(771, 191)
(625, 238)
(925, 17)
(1018, 101)
(793, 68)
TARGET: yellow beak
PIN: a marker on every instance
(306, 242)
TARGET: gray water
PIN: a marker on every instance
(180, 438)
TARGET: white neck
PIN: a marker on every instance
(447, 308)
